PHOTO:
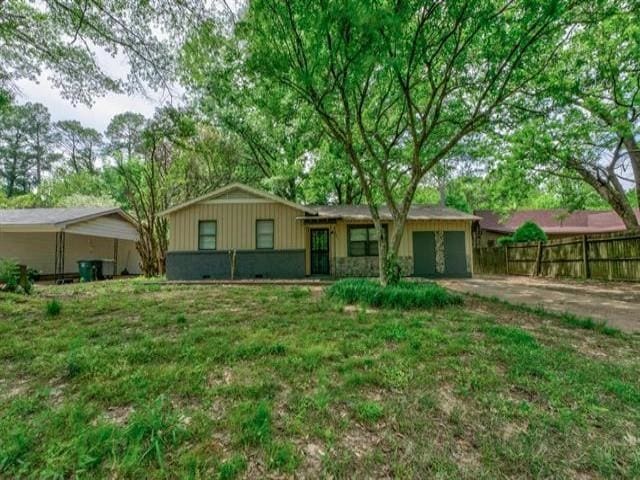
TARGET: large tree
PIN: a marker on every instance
(124, 134)
(62, 39)
(583, 122)
(400, 84)
(14, 150)
(42, 140)
(146, 187)
(80, 145)
(275, 128)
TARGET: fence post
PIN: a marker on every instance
(506, 259)
(536, 272)
(585, 256)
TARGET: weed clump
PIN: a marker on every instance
(54, 307)
(403, 295)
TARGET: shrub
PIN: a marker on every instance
(53, 307)
(529, 232)
(9, 275)
(502, 241)
(402, 295)
(10, 278)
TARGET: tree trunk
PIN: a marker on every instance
(383, 271)
(634, 157)
(615, 197)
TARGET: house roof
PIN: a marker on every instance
(55, 218)
(416, 212)
(557, 221)
(237, 186)
(346, 212)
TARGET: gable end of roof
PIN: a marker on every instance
(238, 186)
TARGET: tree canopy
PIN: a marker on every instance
(481, 104)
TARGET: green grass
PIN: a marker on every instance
(404, 295)
(53, 307)
(134, 380)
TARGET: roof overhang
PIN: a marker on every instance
(364, 218)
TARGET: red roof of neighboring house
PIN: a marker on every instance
(557, 221)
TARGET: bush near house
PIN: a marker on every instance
(401, 295)
(10, 278)
(527, 232)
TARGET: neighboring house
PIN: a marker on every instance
(270, 237)
(52, 240)
(557, 223)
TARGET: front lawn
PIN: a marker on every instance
(137, 380)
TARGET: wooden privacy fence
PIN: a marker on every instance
(601, 257)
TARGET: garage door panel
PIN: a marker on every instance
(455, 255)
(424, 254)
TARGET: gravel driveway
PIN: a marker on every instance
(616, 303)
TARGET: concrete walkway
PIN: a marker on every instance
(616, 303)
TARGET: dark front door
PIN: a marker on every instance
(320, 252)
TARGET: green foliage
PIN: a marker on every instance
(529, 232)
(255, 423)
(232, 468)
(403, 295)
(10, 278)
(26, 147)
(282, 457)
(54, 307)
(369, 412)
(9, 274)
(504, 241)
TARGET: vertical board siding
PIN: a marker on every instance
(108, 226)
(607, 257)
(38, 249)
(236, 225)
(34, 249)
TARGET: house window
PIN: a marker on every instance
(363, 241)
(264, 234)
(207, 232)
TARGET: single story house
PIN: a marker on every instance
(556, 223)
(260, 235)
(52, 240)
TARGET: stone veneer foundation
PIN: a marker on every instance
(367, 266)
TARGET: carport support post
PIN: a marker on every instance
(115, 257)
(59, 257)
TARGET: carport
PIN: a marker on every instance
(52, 240)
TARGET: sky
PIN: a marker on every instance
(99, 114)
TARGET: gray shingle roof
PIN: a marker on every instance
(51, 216)
(416, 212)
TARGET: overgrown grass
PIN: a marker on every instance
(272, 381)
(404, 295)
(54, 307)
